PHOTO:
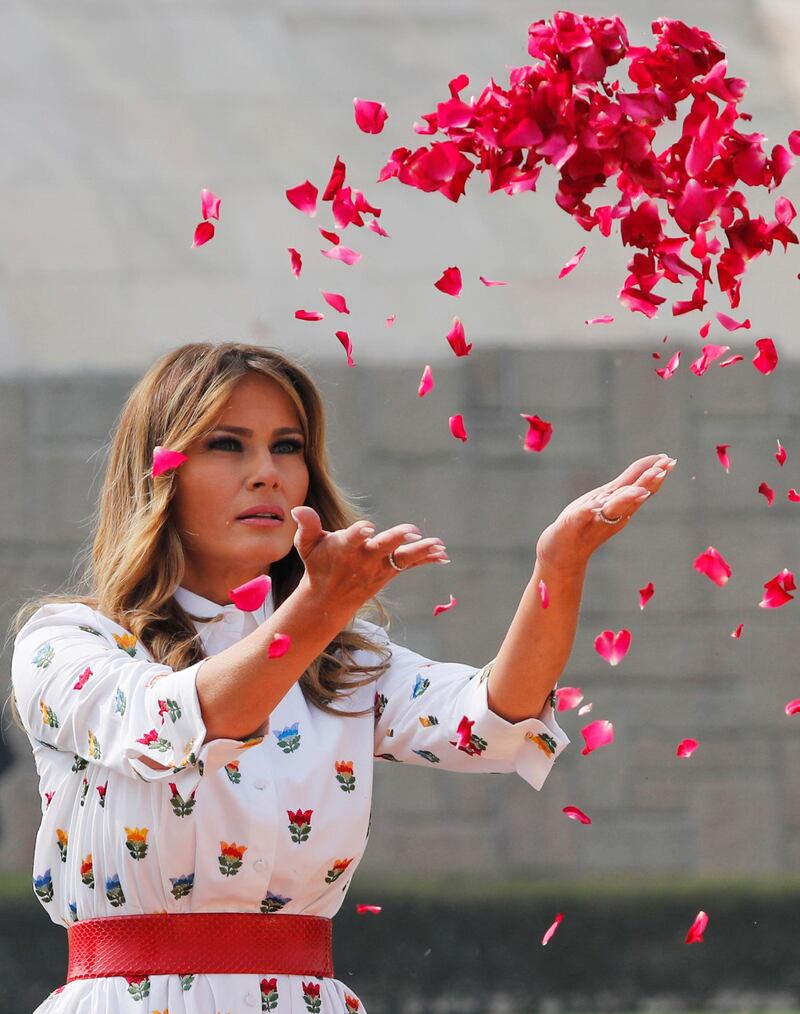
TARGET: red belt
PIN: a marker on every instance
(197, 942)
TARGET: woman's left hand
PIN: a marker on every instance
(578, 530)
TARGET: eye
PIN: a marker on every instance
(295, 446)
(224, 440)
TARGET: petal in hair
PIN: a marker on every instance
(568, 698)
(370, 116)
(572, 263)
(714, 566)
(539, 433)
(337, 301)
(576, 814)
(768, 492)
(697, 929)
(457, 339)
(164, 460)
(686, 747)
(722, 454)
(344, 338)
(780, 454)
(252, 594)
(596, 734)
(767, 357)
(645, 594)
(427, 383)
(279, 645)
(613, 647)
(448, 605)
(304, 198)
(203, 233)
(450, 282)
(457, 427)
(549, 934)
(296, 262)
(209, 204)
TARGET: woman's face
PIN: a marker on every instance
(230, 473)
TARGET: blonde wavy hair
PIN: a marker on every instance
(134, 562)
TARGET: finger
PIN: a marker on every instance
(358, 532)
(623, 502)
(309, 529)
(417, 554)
(384, 542)
(635, 471)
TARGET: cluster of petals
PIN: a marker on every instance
(209, 208)
(682, 209)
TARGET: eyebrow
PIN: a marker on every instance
(245, 432)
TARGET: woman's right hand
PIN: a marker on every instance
(352, 564)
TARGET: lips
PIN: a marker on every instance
(262, 508)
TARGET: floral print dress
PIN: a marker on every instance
(276, 823)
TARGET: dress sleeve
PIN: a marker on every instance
(80, 691)
(420, 705)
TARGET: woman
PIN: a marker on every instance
(196, 783)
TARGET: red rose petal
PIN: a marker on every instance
(793, 707)
(645, 594)
(457, 339)
(738, 632)
(613, 647)
(767, 358)
(203, 233)
(714, 566)
(304, 198)
(427, 383)
(793, 495)
(209, 204)
(165, 459)
(568, 698)
(780, 454)
(370, 909)
(544, 595)
(572, 263)
(596, 734)
(296, 262)
(605, 319)
(710, 354)
(370, 116)
(722, 454)
(390, 320)
(488, 282)
(309, 315)
(450, 282)
(576, 814)
(539, 433)
(336, 181)
(252, 594)
(344, 338)
(332, 237)
(767, 492)
(705, 329)
(730, 324)
(696, 930)
(457, 427)
(686, 747)
(336, 300)
(667, 371)
(776, 590)
(376, 227)
(443, 609)
(279, 645)
(549, 934)
(732, 360)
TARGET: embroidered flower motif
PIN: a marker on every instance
(83, 679)
(101, 791)
(273, 903)
(48, 796)
(389, 757)
(427, 755)
(43, 886)
(300, 825)
(345, 776)
(120, 702)
(114, 892)
(136, 841)
(248, 743)
(87, 871)
(186, 982)
(233, 772)
(94, 745)
(475, 747)
(351, 1003)
(545, 742)
(43, 655)
(289, 738)
(89, 630)
(127, 642)
(79, 764)
(380, 704)
(73, 910)
(428, 720)
(61, 840)
(269, 994)
(339, 866)
(169, 707)
(84, 790)
(153, 741)
(230, 858)
(181, 807)
(138, 988)
(420, 686)
(311, 997)
(181, 886)
(49, 716)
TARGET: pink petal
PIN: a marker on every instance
(332, 237)
(793, 707)
(548, 935)
(427, 383)
(732, 360)
(203, 233)
(780, 454)
(391, 320)
(572, 263)
(376, 227)
(457, 339)
(793, 495)
(488, 282)
(342, 253)
(613, 647)
(344, 338)
(575, 814)
(544, 595)
(309, 315)
(794, 142)
(776, 590)
(457, 427)
(279, 645)
(450, 282)
(722, 454)
(371, 909)
(336, 181)
(164, 460)
(696, 930)
(730, 324)
(464, 730)
(767, 492)
(710, 354)
(209, 204)
(296, 261)
(714, 566)
(252, 594)
(600, 320)
(738, 632)
(444, 608)
(686, 747)
(671, 367)
(568, 698)
(335, 300)
(370, 116)
(539, 432)
(597, 734)
(767, 358)
(785, 212)
(304, 198)
(705, 329)
(585, 709)
(645, 594)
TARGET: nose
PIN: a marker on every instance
(267, 473)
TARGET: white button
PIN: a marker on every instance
(259, 864)
(250, 1000)
(260, 784)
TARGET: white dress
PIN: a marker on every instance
(277, 823)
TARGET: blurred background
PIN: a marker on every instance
(113, 118)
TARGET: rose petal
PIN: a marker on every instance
(450, 282)
(336, 181)
(304, 198)
(645, 594)
(427, 383)
(457, 339)
(767, 357)
(209, 204)
(332, 237)
(714, 566)
(686, 747)
(722, 454)
(296, 262)
(539, 433)
(488, 282)
(793, 707)
(370, 116)
(780, 454)
(252, 594)
(585, 709)
(544, 595)
(572, 263)
(696, 930)
(613, 647)
(768, 492)
(730, 324)
(776, 590)
(576, 814)
(606, 319)
(705, 329)
(793, 495)
(710, 354)
(390, 320)
(457, 427)
(337, 301)
(732, 360)
(568, 698)
(344, 338)
(667, 371)
(309, 315)
(279, 645)
(443, 609)
(203, 233)
(549, 934)
(164, 460)
(596, 734)
(738, 632)
(370, 909)
(343, 254)
(376, 227)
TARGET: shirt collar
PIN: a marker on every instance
(234, 624)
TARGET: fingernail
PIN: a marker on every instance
(411, 537)
(367, 530)
(661, 473)
(294, 516)
(672, 462)
(643, 495)
(442, 561)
